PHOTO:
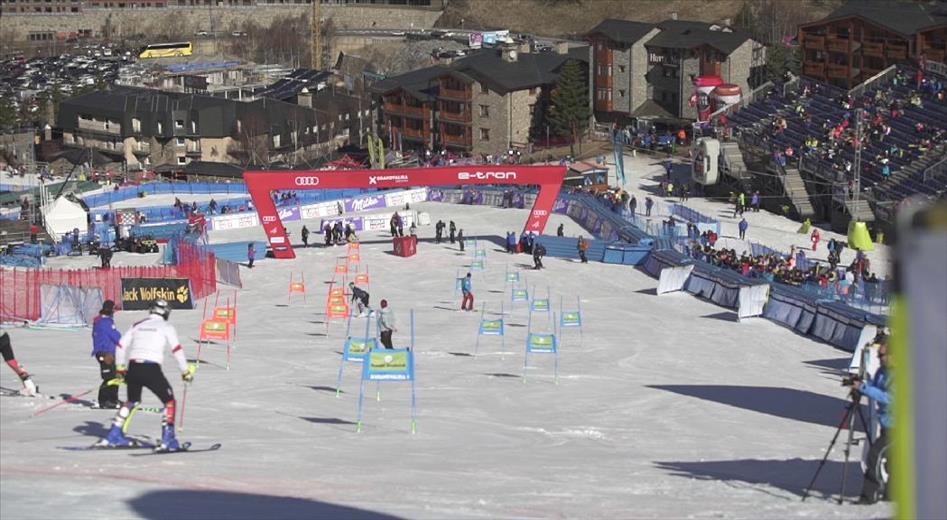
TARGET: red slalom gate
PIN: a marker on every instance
(20, 289)
(261, 184)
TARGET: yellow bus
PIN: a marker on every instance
(167, 50)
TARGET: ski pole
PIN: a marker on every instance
(64, 401)
(184, 399)
(183, 403)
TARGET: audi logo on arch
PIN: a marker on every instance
(466, 176)
(307, 181)
(540, 213)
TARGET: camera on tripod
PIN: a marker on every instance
(850, 380)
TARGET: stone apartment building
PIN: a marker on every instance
(484, 103)
(642, 70)
(148, 129)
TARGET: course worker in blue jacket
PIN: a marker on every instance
(105, 338)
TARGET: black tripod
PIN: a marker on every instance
(847, 418)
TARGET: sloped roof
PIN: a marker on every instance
(418, 82)
(622, 31)
(213, 169)
(905, 18)
(79, 156)
(286, 89)
(487, 65)
(650, 109)
(683, 34)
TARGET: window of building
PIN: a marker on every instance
(161, 127)
(193, 127)
(483, 88)
(182, 160)
(484, 134)
(609, 70)
(178, 124)
(136, 124)
(609, 92)
(484, 111)
(179, 141)
(276, 141)
(621, 69)
(621, 93)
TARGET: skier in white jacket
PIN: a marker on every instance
(142, 348)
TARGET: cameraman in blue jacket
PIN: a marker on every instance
(104, 339)
(879, 390)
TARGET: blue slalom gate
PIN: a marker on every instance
(355, 349)
(541, 343)
(490, 327)
(389, 365)
(572, 318)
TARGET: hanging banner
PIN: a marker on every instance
(365, 203)
(289, 213)
(491, 328)
(389, 365)
(140, 293)
(545, 343)
(357, 348)
(314, 211)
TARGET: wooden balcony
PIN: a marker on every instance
(837, 71)
(816, 70)
(454, 117)
(837, 45)
(814, 42)
(421, 112)
(456, 140)
(873, 49)
(415, 133)
(458, 94)
(896, 51)
(935, 55)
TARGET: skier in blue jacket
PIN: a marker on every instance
(104, 339)
(466, 287)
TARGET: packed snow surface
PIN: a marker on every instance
(666, 407)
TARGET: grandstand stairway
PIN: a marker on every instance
(860, 210)
(795, 189)
(732, 159)
(15, 232)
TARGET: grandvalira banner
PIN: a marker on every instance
(139, 293)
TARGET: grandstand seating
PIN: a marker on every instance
(823, 105)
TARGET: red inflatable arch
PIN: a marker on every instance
(261, 184)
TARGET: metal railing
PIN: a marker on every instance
(884, 75)
(934, 169)
(937, 67)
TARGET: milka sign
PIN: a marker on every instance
(261, 184)
(364, 203)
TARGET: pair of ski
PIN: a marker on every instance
(145, 443)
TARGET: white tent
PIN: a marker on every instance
(63, 216)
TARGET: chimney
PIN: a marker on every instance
(674, 15)
(304, 98)
(509, 54)
(562, 47)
